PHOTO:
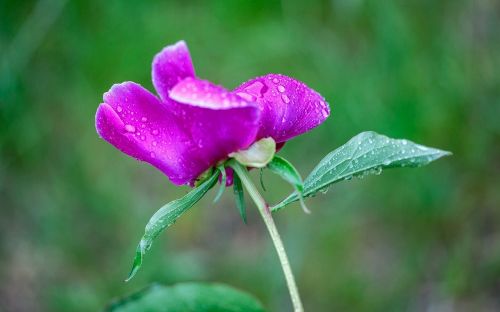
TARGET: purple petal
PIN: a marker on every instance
(181, 140)
(140, 125)
(170, 66)
(220, 122)
(289, 107)
(203, 93)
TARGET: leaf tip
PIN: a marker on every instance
(137, 262)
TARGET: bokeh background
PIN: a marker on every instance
(72, 208)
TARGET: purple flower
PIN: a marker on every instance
(194, 124)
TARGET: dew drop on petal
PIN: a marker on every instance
(119, 109)
(275, 80)
(154, 132)
(144, 119)
(255, 89)
(154, 143)
(153, 155)
(130, 128)
(285, 98)
(281, 88)
(143, 138)
(246, 96)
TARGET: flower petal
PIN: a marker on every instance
(170, 66)
(203, 93)
(220, 122)
(140, 125)
(289, 107)
(181, 140)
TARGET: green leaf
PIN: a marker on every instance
(261, 179)
(287, 171)
(240, 200)
(366, 153)
(166, 216)
(223, 181)
(258, 155)
(187, 297)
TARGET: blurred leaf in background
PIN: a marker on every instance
(187, 297)
(72, 207)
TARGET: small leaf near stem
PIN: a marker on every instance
(166, 216)
(265, 212)
(223, 181)
(261, 179)
(287, 172)
(240, 198)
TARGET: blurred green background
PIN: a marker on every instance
(72, 208)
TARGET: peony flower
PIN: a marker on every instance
(194, 124)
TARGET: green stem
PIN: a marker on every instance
(265, 212)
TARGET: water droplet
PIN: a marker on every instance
(130, 128)
(143, 138)
(143, 126)
(285, 98)
(275, 80)
(404, 142)
(144, 119)
(154, 132)
(246, 96)
(255, 89)
(153, 155)
(154, 143)
(119, 109)
(281, 88)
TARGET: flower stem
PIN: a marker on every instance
(265, 212)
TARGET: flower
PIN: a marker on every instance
(194, 124)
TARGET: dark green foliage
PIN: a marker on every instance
(187, 297)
